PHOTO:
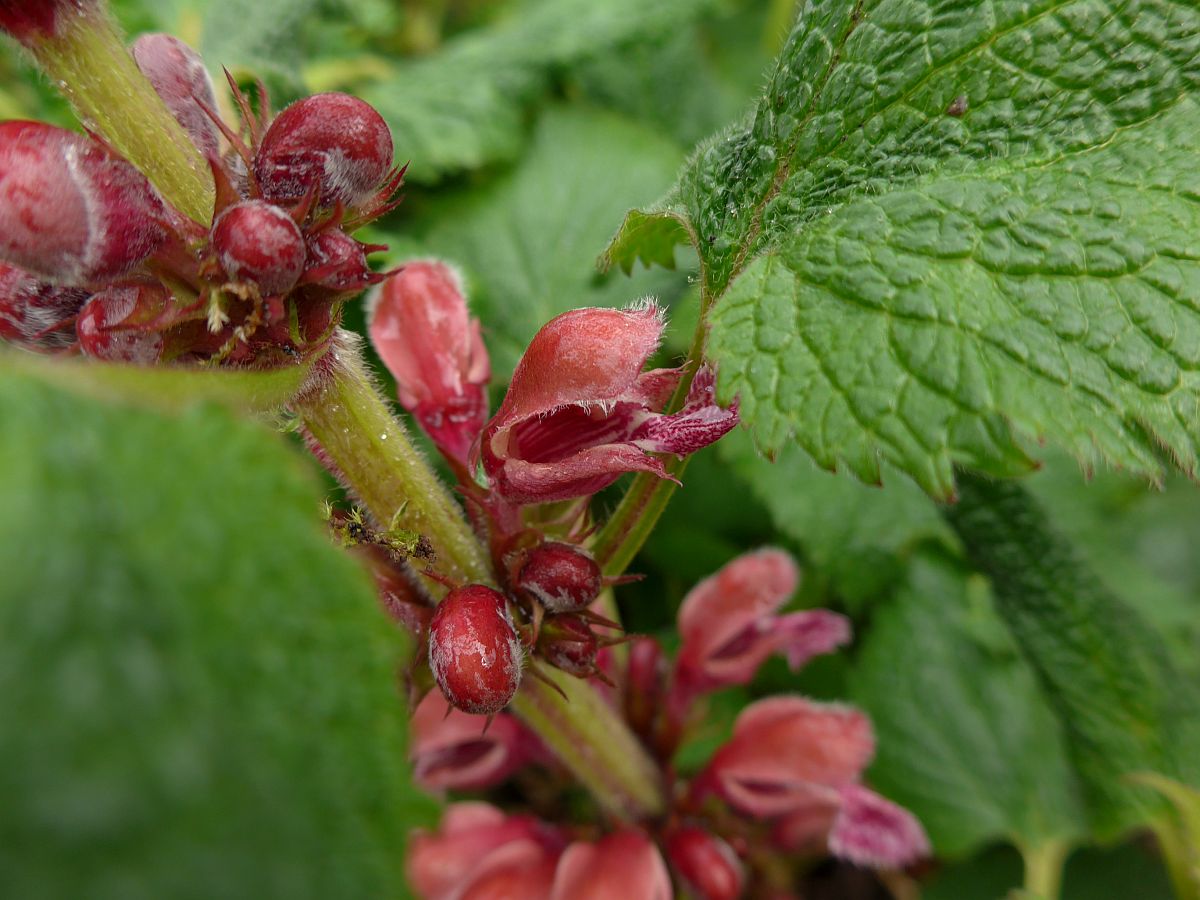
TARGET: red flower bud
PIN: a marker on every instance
(708, 864)
(35, 314)
(338, 263)
(580, 412)
(562, 577)
(451, 751)
(567, 642)
(474, 651)
(30, 20)
(257, 242)
(178, 75)
(644, 679)
(117, 324)
(420, 327)
(70, 211)
(622, 866)
(334, 142)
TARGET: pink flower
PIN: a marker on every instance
(580, 411)
(422, 331)
(729, 627)
(802, 762)
(453, 752)
(621, 866)
(479, 850)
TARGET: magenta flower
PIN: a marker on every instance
(621, 866)
(450, 750)
(480, 849)
(421, 329)
(580, 411)
(729, 626)
(802, 762)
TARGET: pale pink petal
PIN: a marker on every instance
(787, 752)
(581, 474)
(621, 866)
(873, 831)
(452, 752)
(806, 828)
(801, 636)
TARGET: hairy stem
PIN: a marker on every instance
(370, 449)
(112, 97)
(632, 522)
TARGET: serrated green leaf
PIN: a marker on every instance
(918, 327)
(966, 739)
(198, 688)
(468, 105)
(1124, 706)
(857, 536)
(528, 239)
(868, 96)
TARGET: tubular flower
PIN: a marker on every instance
(802, 762)
(580, 411)
(729, 627)
(421, 329)
(621, 866)
(478, 851)
(451, 750)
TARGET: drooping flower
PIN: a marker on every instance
(451, 750)
(728, 625)
(580, 411)
(801, 763)
(420, 327)
(478, 847)
(621, 866)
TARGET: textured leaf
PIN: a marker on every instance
(866, 96)
(918, 326)
(966, 739)
(198, 688)
(858, 536)
(529, 238)
(975, 220)
(1125, 708)
(467, 106)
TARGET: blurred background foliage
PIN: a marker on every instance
(531, 126)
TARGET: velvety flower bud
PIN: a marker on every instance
(30, 20)
(34, 314)
(474, 651)
(580, 412)
(178, 75)
(729, 627)
(116, 325)
(337, 262)
(334, 142)
(561, 577)
(70, 211)
(420, 327)
(706, 863)
(567, 643)
(450, 750)
(257, 242)
(475, 840)
(621, 866)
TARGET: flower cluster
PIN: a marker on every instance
(94, 260)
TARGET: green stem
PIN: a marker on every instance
(632, 522)
(112, 97)
(1043, 868)
(350, 421)
(373, 452)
